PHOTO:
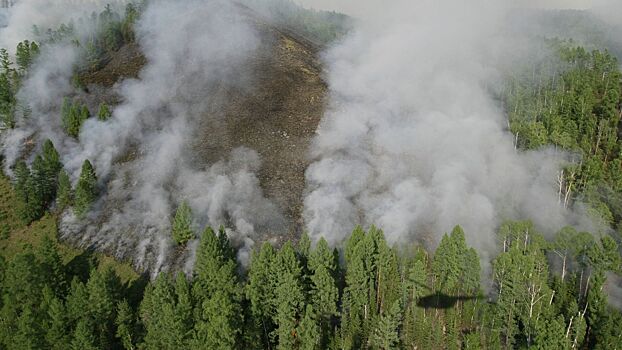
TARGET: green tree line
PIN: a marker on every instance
(367, 295)
(574, 104)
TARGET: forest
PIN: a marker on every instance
(540, 291)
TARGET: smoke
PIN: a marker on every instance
(610, 11)
(414, 140)
(367, 9)
(143, 153)
(46, 14)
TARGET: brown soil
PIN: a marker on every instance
(277, 116)
(125, 63)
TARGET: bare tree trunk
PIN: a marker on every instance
(564, 268)
(569, 326)
(560, 182)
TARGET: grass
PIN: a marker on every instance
(15, 237)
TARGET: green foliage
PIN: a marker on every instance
(323, 27)
(73, 116)
(163, 316)
(182, 224)
(386, 301)
(9, 84)
(310, 336)
(289, 296)
(65, 193)
(572, 101)
(25, 54)
(385, 335)
(217, 293)
(112, 31)
(86, 189)
(36, 188)
(103, 113)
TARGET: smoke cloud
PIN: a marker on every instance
(46, 14)
(414, 140)
(143, 153)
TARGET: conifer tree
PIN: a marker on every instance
(52, 266)
(86, 189)
(310, 334)
(324, 291)
(83, 338)
(77, 302)
(103, 289)
(289, 295)
(57, 327)
(28, 333)
(44, 187)
(182, 224)
(26, 52)
(64, 195)
(166, 314)
(385, 335)
(103, 113)
(30, 190)
(73, 116)
(125, 325)
(260, 290)
(217, 293)
(51, 168)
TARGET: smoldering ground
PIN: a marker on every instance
(141, 154)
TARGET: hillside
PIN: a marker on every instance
(199, 174)
(276, 116)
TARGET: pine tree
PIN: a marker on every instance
(77, 303)
(217, 293)
(356, 306)
(23, 282)
(51, 167)
(28, 334)
(52, 266)
(185, 302)
(182, 224)
(446, 265)
(83, 338)
(73, 116)
(44, 186)
(165, 321)
(260, 290)
(57, 328)
(86, 189)
(289, 296)
(125, 325)
(103, 288)
(310, 334)
(385, 335)
(103, 113)
(51, 160)
(29, 190)
(64, 195)
(324, 291)
(26, 52)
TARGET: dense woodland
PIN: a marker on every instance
(535, 293)
(572, 102)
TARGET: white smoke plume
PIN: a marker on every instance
(46, 14)
(192, 47)
(414, 140)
